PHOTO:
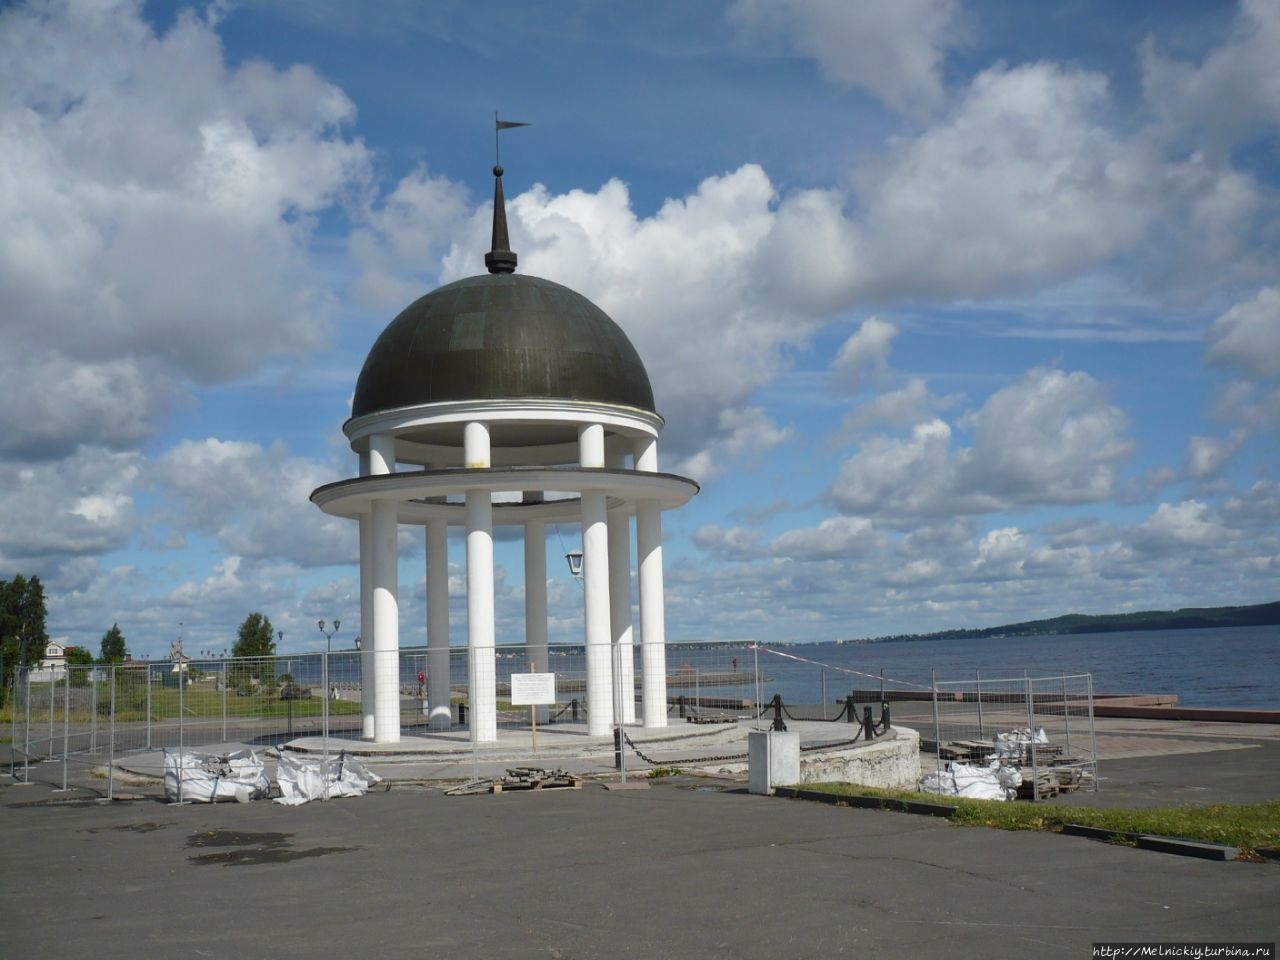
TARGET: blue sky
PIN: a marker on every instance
(961, 313)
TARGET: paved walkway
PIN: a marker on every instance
(691, 867)
(686, 869)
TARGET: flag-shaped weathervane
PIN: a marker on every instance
(499, 125)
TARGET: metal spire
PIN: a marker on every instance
(500, 259)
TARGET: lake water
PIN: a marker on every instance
(1236, 667)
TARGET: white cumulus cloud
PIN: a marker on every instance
(1247, 337)
(866, 349)
(894, 51)
(254, 500)
(140, 172)
(1234, 92)
(1049, 438)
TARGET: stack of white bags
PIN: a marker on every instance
(207, 778)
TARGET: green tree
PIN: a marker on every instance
(256, 639)
(22, 626)
(78, 659)
(112, 648)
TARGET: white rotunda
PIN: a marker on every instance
(505, 399)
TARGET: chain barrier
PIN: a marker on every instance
(839, 716)
(687, 760)
(867, 730)
(573, 705)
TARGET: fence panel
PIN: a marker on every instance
(1044, 725)
(80, 722)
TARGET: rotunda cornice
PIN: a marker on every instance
(625, 488)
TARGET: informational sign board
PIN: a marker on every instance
(528, 689)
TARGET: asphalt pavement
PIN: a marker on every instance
(691, 867)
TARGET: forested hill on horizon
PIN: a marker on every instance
(1261, 614)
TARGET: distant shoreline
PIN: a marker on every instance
(1189, 618)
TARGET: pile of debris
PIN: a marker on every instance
(519, 778)
(1020, 763)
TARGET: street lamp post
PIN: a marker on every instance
(328, 649)
(328, 635)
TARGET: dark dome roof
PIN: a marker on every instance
(501, 336)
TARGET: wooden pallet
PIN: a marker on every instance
(535, 778)
(966, 751)
(1045, 786)
(470, 788)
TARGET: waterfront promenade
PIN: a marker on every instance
(692, 867)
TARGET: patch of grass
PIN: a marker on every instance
(659, 772)
(1246, 826)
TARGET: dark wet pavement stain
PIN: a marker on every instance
(237, 838)
(254, 848)
(145, 827)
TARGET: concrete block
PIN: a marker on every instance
(773, 759)
(892, 762)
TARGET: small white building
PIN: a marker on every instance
(53, 664)
(508, 400)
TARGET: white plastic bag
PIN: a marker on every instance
(978, 783)
(992, 782)
(302, 779)
(191, 777)
(943, 784)
(1013, 745)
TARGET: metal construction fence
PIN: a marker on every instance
(1043, 725)
(72, 722)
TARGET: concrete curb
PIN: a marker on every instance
(1188, 848)
(921, 807)
(1148, 841)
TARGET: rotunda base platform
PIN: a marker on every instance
(891, 761)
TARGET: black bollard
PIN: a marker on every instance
(884, 716)
(681, 702)
(850, 711)
(777, 713)
(573, 708)
(462, 714)
(868, 728)
(617, 748)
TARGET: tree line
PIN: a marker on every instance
(24, 634)
(1187, 618)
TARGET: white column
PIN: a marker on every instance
(481, 633)
(595, 588)
(382, 454)
(653, 640)
(438, 688)
(366, 615)
(535, 599)
(386, 599)
(620, 600)
(591, 445)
